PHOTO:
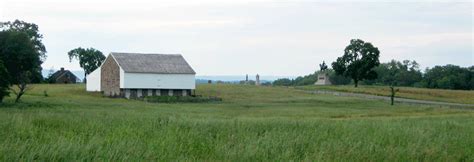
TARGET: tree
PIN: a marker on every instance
(337, 79)
(305, 80)
(4, 82)
(358, 61)
(32, 31)
(283, 82)
(449, 77)
(89, 59)
(471, 82)
(405, 73)
(392, 94)
(20, 59)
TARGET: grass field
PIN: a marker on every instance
(453, 96)
(252, 123)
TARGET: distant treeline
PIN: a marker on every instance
(406, 73)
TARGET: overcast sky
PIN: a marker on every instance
(223, 37)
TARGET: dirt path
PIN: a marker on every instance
(402, 100)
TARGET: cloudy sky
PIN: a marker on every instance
(223, 37)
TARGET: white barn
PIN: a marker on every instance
(134, 75)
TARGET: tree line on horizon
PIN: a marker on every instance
(406, 75)
(360, 64)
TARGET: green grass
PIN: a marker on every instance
(453, 96)
(250, 124)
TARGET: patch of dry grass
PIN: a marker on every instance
(453, 96)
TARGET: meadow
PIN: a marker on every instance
(250, 124)
(443, 95)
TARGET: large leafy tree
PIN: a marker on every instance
(358, 61)
(32, 31)
(4, 81)
(89, 59)
(20, 58)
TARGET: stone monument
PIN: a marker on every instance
(257, 80)
(246, 79)
(323, 77)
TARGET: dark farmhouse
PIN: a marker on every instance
(63, 77)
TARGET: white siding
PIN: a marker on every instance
(158, 81)
(93, 81)
(122, 74)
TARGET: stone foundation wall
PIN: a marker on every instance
(139, 93)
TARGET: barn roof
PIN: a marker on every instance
(153, 63)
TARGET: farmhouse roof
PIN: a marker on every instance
(61, 73)
(153, 63)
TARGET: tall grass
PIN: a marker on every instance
(251, 124)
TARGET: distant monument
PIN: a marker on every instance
(257, 80)
(247, 79)
(323, 77)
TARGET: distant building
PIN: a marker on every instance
(63, 77)
(133, 75)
